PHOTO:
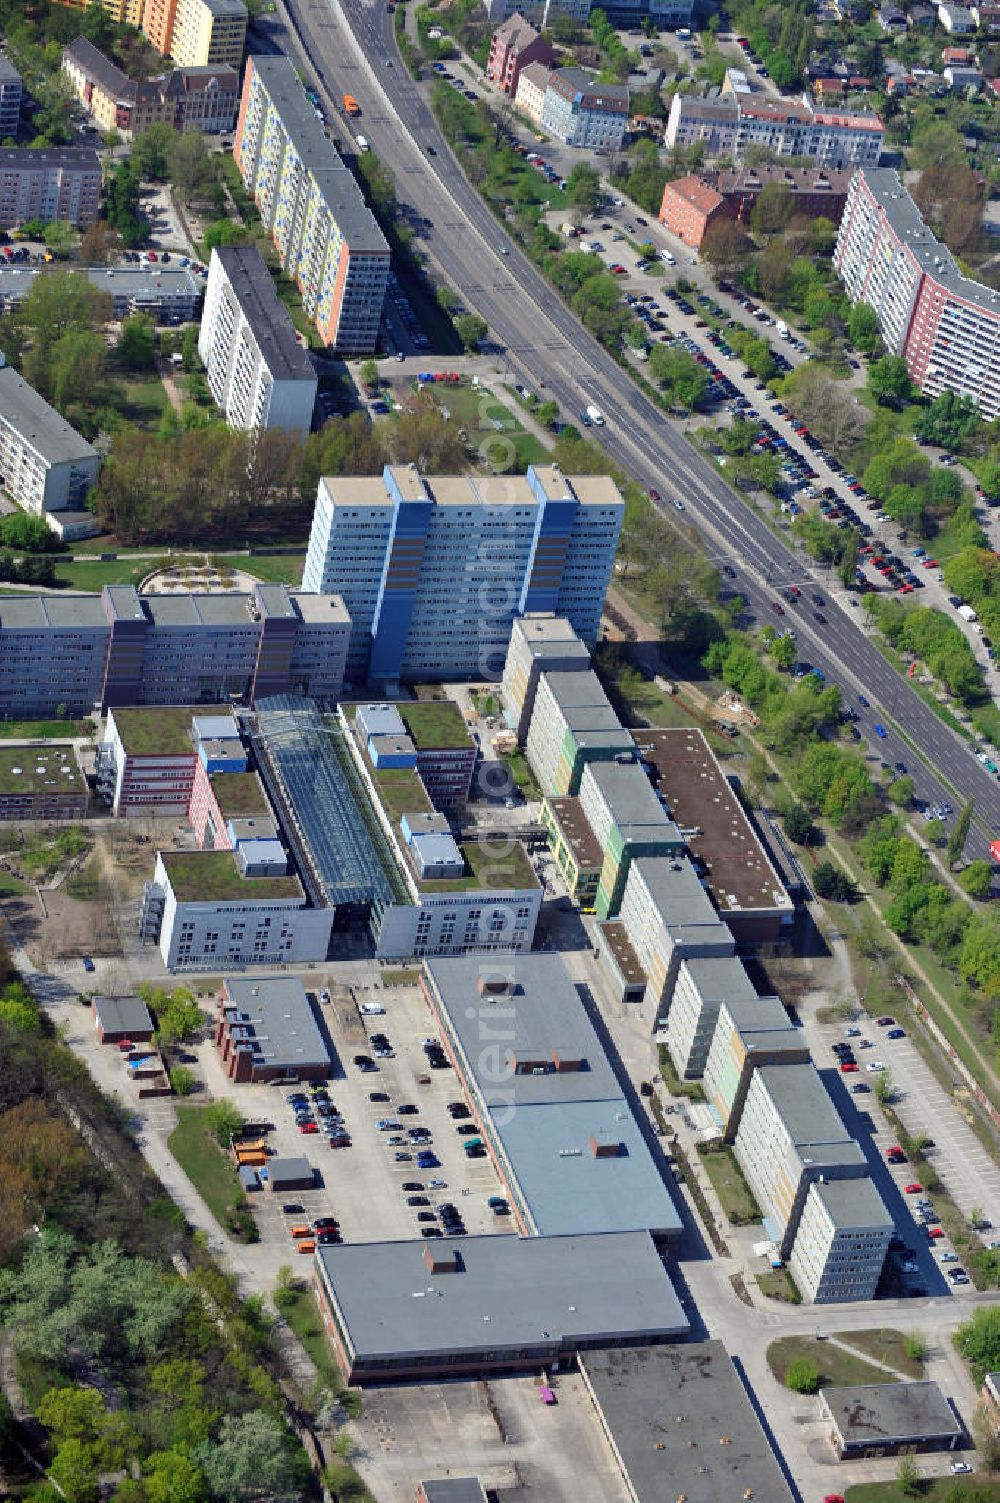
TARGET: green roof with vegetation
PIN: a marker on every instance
(434, 723)
(489, 865)
(161, 731)
(401, 791)
(39, 769)
(214, 877)
(239, 794)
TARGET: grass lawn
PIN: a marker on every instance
(778, 1284)
(91, 576)
(35, 730)
(730, 1186)
(885, 1346)
(517, 764)
(404, 977)
(838, 1369)
(195, 1148)
(938, 1490)
(677, 1087)
(493, 431)
(145, 400)
(434, 723)
(283, 568)
(302, 1315)
(10, 886)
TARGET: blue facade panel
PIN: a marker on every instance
(550, 545)
(400, 583)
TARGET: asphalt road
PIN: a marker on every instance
(350, 46)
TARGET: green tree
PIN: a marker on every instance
(151, 149)
(916, 1346)
(182, 1080)
(254, 1457)
(223, 1119)
(976, 879)
(938, 144)
(583, 187)
(226, 232)
(889, 381)
(978, 1341)
(192, 168)
(832, 883)
(908, 1478)
(25, 533)
(471, 329)
(784, 652)
(137, 343)
(799, 825)
(71, 1413)
(683, 380)
(547, 414)
(172, 1477)
(60, 237)
(802, 1375)
(74, 1469)
(773, 209)
(948, 421)
(901, 791)
(726, 247)
(178, 1016)
(369, 374)
(883, 1088)
(959, 835)
(862, 325)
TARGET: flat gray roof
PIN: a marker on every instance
(541, 630)
(222, 608)
(38, 424)
(508, 1293)
(319, 609)
(316, 152)
(853, 1203)
(549, 1123)
(930, 254)
(809, 1115)
(721, 978)
(123, 1015)
(272, 1014)
(454, 1490)
(682, 1424)
(143, 282)
(8, 73)
(873, 1413)
(269, 320)
(574, 690)
(289, 1171)
(679, 895)
(48, 158)
(44, 612)
(634, 806)
(763, 1023)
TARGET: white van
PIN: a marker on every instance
(669, 257)
(362, 143)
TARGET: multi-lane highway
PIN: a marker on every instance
(350, 47)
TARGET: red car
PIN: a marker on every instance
(151, 256)
(779, 610)
(308, 1127)
(654, 495)
(913, 1189)
(934, 1232)
(834, 1498)
(618, 270)
(929, 563)
(849, 1068)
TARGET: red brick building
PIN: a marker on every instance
(689, 208)
(515, 44)
(691, 205)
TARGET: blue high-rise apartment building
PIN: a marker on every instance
(433, 570)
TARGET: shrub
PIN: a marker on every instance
(802, 1375)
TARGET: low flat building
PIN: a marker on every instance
(539, 643)
(728, 853)
(45, 465)
(266, 1030)
(118, 1019)
(575, 849)
(396, 1310)
(680, 1423)
(546, 1099)
(258, 373)
(451, 1490)
(41, 782)
(168, 294)
(878, 1419)
(446, 753)
(292, 1173)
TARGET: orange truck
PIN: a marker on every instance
(351, 105)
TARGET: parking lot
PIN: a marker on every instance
(367, 1185)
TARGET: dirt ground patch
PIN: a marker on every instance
(66, 928)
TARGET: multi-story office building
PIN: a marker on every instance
(204, 99)
(703, 985)
(43, 783)
(842, 1242)
(582, 112)
(169, 295)
(256, 369)
(628, 821)
(314, 210)
(732, 123)
(945, 326)
(45, 465)
(10, 98)
(667, 918)
(197, 33)
(435, 570)
(572, 724)
(54, 182)
(119, 648)
(539, 643)
(791, 1138)
(748, 1035)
